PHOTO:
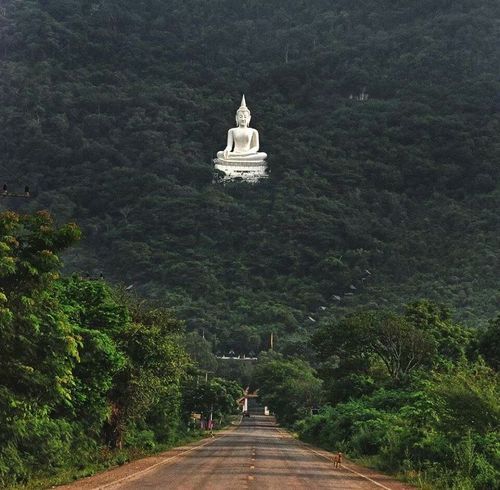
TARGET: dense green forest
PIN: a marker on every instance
(111, 111)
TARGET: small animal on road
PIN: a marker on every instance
(337, 460)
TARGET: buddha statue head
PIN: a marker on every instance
(243, 115)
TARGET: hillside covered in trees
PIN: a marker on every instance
(111, 111)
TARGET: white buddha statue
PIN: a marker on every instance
(242, 141)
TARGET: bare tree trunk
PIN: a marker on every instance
(114, 427)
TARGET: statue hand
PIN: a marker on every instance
(226, 153)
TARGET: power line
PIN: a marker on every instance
(5, 192)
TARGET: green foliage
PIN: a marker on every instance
(489, 344)
(363, 349)
(470, 394)
(97, 319)
(290, 388)
(424, 432)
(451, 340)
(369, 203)
(38, 346)
(439, 425)
(94, 96)
(215, 395)
(84, 368)
(234, 369)
(200, 352)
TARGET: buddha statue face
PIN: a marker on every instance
(243, 118)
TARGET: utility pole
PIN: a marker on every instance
(272, 341)
(211, 421)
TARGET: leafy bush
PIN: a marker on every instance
(144, 439)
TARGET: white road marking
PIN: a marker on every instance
(351, 470)
(342, 466)
(147, 470)
(283, 434)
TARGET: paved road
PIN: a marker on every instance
(257, 455)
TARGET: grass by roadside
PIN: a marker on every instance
(412, 477)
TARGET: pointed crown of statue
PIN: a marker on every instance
(243, 106)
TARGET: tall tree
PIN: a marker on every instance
(38, 348)
(290, 388)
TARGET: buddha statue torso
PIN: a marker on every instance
(242, 138)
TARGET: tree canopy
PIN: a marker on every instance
(112, 110)
(85, 368)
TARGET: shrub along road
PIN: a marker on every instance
(255, 455)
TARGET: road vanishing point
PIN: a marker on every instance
(255, 455)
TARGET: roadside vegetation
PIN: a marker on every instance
(410, 393)
(90, 376)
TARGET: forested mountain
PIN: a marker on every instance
(112, 110)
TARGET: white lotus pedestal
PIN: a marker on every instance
(246, 171)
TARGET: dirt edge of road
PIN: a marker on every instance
(381, 480)
(124, 472)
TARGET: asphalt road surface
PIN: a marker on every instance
(256, 455)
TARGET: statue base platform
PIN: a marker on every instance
(244, 171)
